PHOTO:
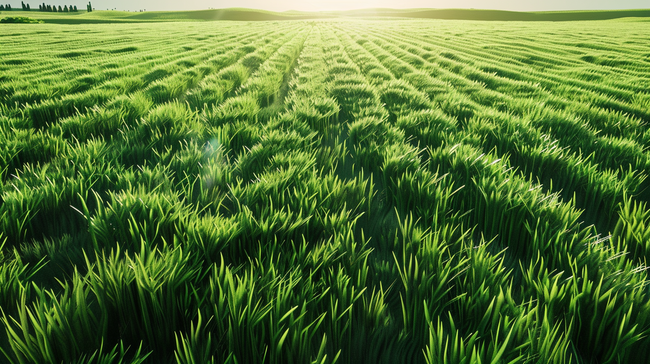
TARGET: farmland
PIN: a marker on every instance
(325, 191)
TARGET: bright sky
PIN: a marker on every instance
(316, 5)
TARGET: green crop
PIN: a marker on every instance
(325, 191)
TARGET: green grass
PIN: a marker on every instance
(117, 16)
(244, 14)
(324, 191)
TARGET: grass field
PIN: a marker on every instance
(243, 14)
(325, 191)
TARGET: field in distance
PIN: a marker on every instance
(325, 191)
(244, 14)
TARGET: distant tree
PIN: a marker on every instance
(65, 9)
(42, 7)
(75, 8)
(49, 8)
(28, 8)
(22, 3)
(89, 7)
(2, 7)
(60, 10)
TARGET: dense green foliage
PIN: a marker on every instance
(325, 191)
(19, 19)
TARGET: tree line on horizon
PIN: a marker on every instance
(48, 8)
(53, 8)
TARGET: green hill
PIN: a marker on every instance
(241, 14)
(111, 16)
(500, 15)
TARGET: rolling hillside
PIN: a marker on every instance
(241, 14)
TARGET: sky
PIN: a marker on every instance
(318, 5)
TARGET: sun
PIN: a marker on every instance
(331, 5)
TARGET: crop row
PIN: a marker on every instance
(559, 133)
(490, 197)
